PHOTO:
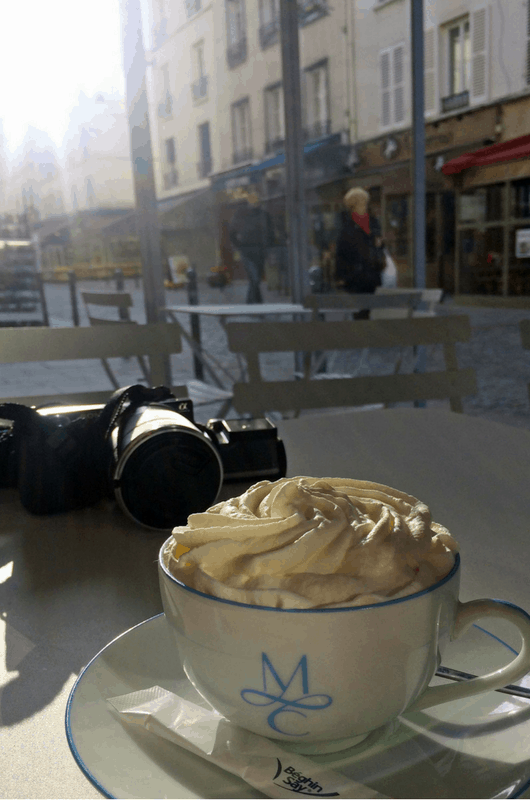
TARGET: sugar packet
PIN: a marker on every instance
(260, 762)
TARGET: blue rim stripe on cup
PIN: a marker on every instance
(396, 600)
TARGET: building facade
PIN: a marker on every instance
(217, 105)
(477, 94)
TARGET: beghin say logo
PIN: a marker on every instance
(285, 696)
(298, 783)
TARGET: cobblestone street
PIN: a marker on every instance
(495, 352)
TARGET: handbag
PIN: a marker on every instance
(389, 273)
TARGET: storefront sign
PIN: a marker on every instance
(522, 243)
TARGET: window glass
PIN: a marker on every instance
(396, 228)
(481, 256)
(520, 199)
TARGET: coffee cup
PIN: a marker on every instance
(321, 679)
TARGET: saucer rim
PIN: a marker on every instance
(105, 792)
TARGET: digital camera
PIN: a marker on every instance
(164, 466)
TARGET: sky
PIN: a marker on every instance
(50, 52)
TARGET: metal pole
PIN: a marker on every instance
(418, 145)
(294, 148)
(72, 284)
(195, 323)
(143, 176)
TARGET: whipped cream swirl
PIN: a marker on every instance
(312, 543)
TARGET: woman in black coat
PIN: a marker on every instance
(359, 258)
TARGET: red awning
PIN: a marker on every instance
(504, 151)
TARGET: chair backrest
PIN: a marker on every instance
(259, 396)
(429, 297)
(25, 345)
(122, 301)
(343, 301)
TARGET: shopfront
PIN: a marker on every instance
(384, 170)
(492, 188)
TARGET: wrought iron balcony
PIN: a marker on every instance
(192, 6)
(204, 167)
(275, 145)
(318, 129)
(455, 101)
(236, 52)
(242, 155)
(199, 88)
(171, 179)
(269, 33)
(311, 10)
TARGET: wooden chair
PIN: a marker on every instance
(429, 298)
(122, 302)
(258, 396)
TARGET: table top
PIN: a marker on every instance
(241, 309)
(71, 583)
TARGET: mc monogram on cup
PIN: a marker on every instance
(287, 698)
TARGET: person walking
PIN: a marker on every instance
(251, 234)
(359, 256)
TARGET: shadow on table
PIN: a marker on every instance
(77, 581)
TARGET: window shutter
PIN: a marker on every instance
(385, 89)
(479, 55)
(429, 64)
(399, 84)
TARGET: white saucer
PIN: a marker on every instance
(479, 747)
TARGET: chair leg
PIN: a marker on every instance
(145, 370)
(110, 373)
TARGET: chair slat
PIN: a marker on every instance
(344, 300)
(364, 390)
(113, 299)
(62, 344)
(265, 337)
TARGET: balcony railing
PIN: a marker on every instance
(455, 101)
(318, 129)
(269, 33)
(236, 52)
(275, 145)
(199, 88)
(171, 179)
(311, 10)
(204, 167)
(242, 155)
(192, 6)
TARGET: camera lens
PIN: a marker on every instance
(168, 476)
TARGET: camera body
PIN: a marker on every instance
(163, 466)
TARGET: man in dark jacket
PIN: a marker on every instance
(359, 259)
(251, 234)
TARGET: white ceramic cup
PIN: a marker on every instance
(328, 676)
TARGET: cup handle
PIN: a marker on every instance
(467, 613)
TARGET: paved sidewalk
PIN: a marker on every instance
(495, 352)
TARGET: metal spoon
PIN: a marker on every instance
(457, 675)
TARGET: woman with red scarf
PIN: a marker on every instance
(359, 259)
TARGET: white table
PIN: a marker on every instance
(223, 313)
(71, 583)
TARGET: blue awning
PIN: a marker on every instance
(251, 173)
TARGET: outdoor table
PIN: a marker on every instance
(223, 313)
(71, 583)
